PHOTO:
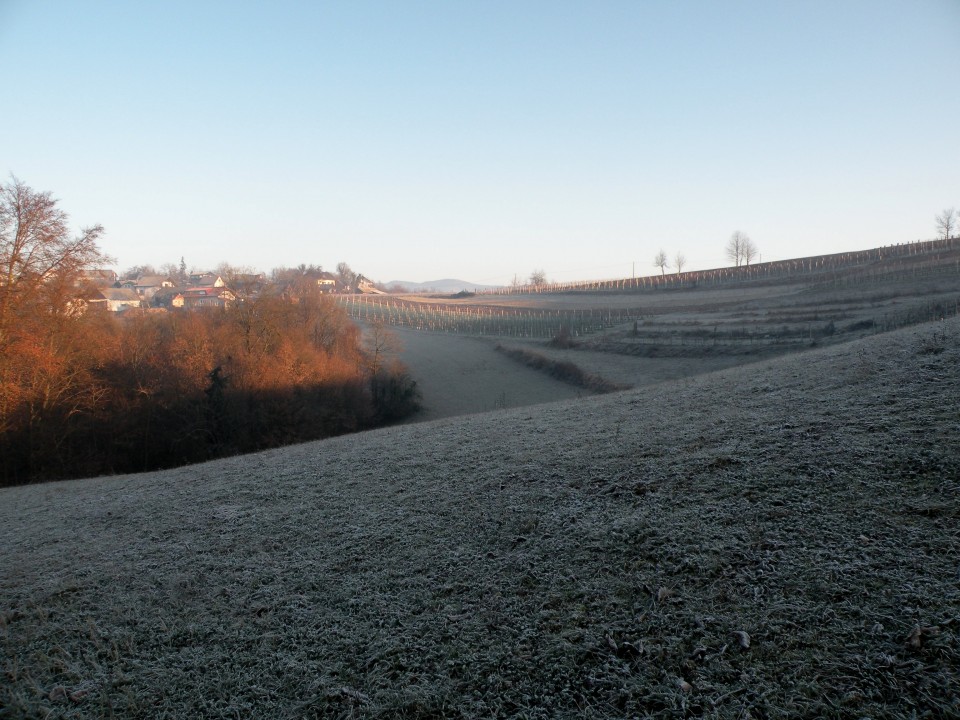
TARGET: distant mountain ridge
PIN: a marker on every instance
(447, 285)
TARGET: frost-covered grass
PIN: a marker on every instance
(774, 540)
(458, 375)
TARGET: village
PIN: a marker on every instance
(197, 290)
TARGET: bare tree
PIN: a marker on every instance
(38, 257)
(538, 278)
(138, 271)
(946, 223)
(347, 277)
(736, 246)
(381, 344)
(680, 260)
(234, 275)
(660, 261)
(749, 251)
(46, 341)
(171, 271)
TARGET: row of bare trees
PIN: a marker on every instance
(85, 392)
(740, 250)
(660, 260)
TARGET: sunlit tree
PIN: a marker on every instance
(49, 347)
(40, 260)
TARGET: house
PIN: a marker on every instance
(327, 282)
(116, 299)
(167, 297)
(210, 296)
(146, 286)
(366, 287)
(206, 280)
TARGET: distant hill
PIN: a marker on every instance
(447, 285)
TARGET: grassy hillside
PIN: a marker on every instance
(771, 540)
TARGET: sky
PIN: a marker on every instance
(484, 140)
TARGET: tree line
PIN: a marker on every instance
(86, 392)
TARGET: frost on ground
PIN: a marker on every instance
(773, 540)
(458, 375)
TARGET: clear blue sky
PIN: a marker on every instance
(478, 140)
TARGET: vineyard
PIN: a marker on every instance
(483, 320)
(784, 303)
(922, 259)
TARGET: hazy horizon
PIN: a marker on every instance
(482, 141)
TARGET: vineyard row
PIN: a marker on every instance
(496, 322)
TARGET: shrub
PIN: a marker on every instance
(395, 395)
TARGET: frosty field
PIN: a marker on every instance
(462, 375)
(773, 540)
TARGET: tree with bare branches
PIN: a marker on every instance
(740, 249)
(946, 223)
(347, 277)
(381, 343)
(48, 350)
(680, 260)
(39, 259)
(750, 252)
(660, 261)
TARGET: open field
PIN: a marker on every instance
(460, 375)
(771, 541)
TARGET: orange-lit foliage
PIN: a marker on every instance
(85, 393)
(91, 394)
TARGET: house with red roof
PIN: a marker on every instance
(207, 296)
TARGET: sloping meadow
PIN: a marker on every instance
(774, 540)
